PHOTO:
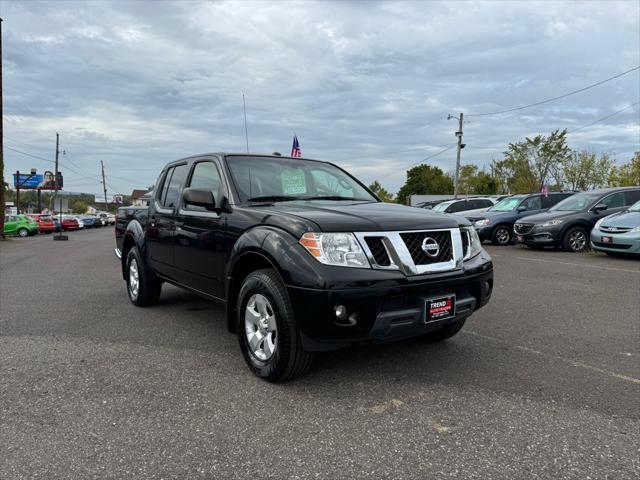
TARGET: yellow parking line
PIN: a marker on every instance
(574, 363)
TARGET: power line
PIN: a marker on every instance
(604, 118)
(425, 159)
(556, 98)
(30, 155)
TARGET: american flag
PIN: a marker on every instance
(295, 148)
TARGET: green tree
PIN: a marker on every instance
(626, 175)
(79, 206)
(476, 182)
(532, 163)
(381, 192)
(423, 180)
(585, 170)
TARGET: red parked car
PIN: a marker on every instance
(45, 222)
(69, 223)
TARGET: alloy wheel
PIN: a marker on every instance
(260, 327)
(577, 240)
(134, 279)
(503, 236)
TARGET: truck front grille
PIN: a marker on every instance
(415, 241)
(378, 250)
(523, 228)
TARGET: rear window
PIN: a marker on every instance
(632, 196)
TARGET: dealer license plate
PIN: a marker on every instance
(440, 308)
(606, 239)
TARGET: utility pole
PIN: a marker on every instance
(459, 149)
(104, 185)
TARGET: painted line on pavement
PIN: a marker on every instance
(574, 363)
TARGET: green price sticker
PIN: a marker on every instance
(293, 182)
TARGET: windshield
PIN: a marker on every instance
(441, 207)
(579, 201)
(635, 207)
(285, 179)
(506, 205)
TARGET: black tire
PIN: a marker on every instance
(288, 359)
(23, 232)
(502, 235)
(148, 285)
(445, 332)
(576, 239)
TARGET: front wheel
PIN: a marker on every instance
(501, 235)
(575, 240)
(23, 232)
(143, 286)
(445, 332)
(267, 331)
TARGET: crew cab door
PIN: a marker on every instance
(200, 248)
(159, 233)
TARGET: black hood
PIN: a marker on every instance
(349, 217)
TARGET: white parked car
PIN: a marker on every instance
(465, 206)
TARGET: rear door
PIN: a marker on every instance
(10, 224)
(159, 233)
(200, 246)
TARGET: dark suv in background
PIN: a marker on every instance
(496, 224)
(568, 224)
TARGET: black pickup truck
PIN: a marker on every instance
(304, 257)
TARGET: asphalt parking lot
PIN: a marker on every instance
(542, 383)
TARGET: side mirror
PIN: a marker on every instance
(600, 207)
(199, 197)
(522, 209)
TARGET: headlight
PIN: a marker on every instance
(482, 223)
(341, 249)
(550, 223)
(599, 222)
(475, 245)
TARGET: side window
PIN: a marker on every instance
(162, 191)
(551, 200)
(205, 175)
(614, 200)
(457, 207)
(632, 196)
(172, 194)
(484, 203)
(532, 203)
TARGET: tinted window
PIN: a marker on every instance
(457, 207)
(613, 201)
(205, 175)
(632, 196)
(484, 203)
(173, 190)
(165, 185)
(551, 200)
(532, 203)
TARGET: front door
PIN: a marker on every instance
(200, 246)
(160, 230)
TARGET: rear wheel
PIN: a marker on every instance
(576, 240)
(23, 232)
(501, 235)
(445, 332)
(267, 331)
(143, 286)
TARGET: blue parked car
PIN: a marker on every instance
(496, 224)
(618, 234)
(90, 222)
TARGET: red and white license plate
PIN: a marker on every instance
(440, 308)
(606, 239)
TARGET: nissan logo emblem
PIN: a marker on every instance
(430, 247)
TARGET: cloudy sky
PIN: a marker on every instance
(367, 85)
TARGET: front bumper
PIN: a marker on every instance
(484, 232)
(621, 242)
(543, 237)
(389, 310)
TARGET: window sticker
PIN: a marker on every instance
(293, 182)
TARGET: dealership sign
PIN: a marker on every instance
(46, 181)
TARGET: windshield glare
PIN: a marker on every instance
(579, 201)
(635, 207)
(441, 207)
(293, 179)
(506, 205)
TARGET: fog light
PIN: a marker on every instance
(341, 312)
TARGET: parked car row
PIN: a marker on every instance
(24, 225)
(607, 219)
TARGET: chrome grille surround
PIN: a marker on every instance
(401, 259)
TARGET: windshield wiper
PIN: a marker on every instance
(273, 198)
(336, 197)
